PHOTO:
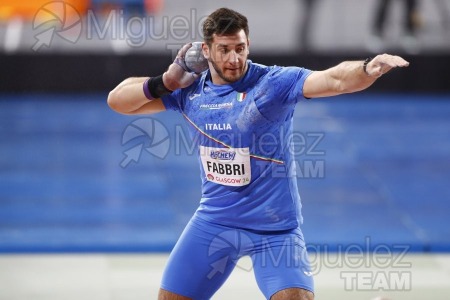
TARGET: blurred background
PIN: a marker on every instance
(76, 177)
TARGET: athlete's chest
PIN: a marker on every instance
(231, 116)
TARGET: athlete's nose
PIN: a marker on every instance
(233, 57)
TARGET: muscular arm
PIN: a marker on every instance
(129, 98)
(349, 76)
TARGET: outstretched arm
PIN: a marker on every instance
(129, 97)
(349, 76)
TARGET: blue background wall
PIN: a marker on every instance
(67, 183)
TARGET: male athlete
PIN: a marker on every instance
(250, 204)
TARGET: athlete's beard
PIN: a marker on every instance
(228, 79)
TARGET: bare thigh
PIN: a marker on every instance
(292, 294)
(166, 295)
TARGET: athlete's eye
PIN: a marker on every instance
(240, 50)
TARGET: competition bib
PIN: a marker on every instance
(226, 166)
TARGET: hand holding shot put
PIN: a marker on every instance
(132, 95)
(186, 67)
(237, 193)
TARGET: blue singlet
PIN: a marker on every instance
(250, 205)
(243, 131)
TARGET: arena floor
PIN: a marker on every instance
(125, 276)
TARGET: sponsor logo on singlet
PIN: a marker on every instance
(193, 96)
(226, 105)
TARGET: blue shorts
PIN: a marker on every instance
(206, 253)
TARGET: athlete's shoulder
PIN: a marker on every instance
(286, 71)
(282, 72)
(258, 69)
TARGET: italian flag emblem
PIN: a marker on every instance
(241, 96)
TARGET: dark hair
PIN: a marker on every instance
(224, 21)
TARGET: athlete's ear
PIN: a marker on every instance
(248, 46)
(205, 50)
